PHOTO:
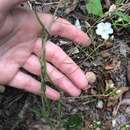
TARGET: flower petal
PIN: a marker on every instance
(105, 36)
(104, 29)
(100, 25)
(110, 31)
(98, 31)
(108, 25)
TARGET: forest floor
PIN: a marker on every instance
(106, 106)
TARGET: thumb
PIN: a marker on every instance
(6, 5)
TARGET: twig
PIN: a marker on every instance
(115, 111)
(44, 74)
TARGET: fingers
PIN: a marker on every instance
(64, 63)
(6, 5)
(29, 84)
(55, 26)
(63, 28)
(33, 66)
(62, 81)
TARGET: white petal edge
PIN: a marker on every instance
(100, 25)
(108, 25)
(98, 31)
(110, 31)
(105, 36)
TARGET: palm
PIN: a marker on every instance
(20, 46)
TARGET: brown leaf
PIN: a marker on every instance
(71, 7)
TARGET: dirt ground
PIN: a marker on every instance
(97, 109)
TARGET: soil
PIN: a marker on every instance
(20, 110)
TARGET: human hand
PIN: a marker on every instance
(20, 47)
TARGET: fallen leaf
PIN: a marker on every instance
(91, 77)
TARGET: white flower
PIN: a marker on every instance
(104, 29)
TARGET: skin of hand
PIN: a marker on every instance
(20, 47)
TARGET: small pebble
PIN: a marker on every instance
(2, 89)
(99, 104)
(91, 77)
(119, 121)
(113, 123)
(75, 50)
(128, 110)
(62, 42)
(74, 111)
(118, 92)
